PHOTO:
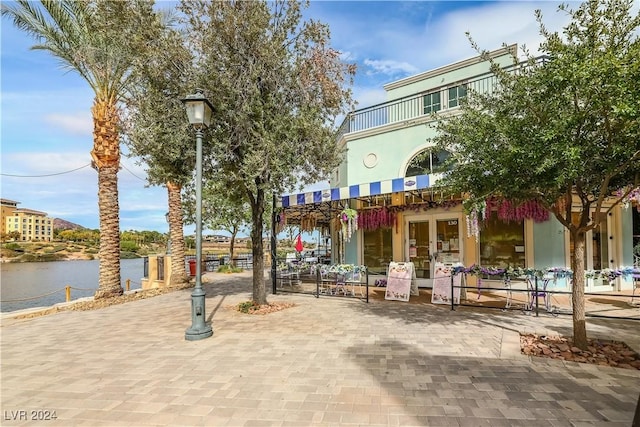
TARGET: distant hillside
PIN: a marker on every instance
(61, 224)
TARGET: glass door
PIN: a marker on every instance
(448, 241)
(432, 239)
(420, 248)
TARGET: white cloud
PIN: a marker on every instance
(367, 96)
(398, 49)
(65, 186)
(79, 123)
(389, 67)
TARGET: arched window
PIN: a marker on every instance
(427, 162)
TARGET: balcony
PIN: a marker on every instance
(413, 107)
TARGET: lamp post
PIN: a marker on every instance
(199, 111)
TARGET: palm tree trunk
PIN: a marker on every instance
(178, 271)
(109, 280)
(106, 159)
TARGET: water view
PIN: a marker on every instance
(41, 284)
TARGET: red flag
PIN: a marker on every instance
(299, 246)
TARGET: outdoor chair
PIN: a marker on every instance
(289, 276)
(534, 292)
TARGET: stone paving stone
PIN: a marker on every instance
(383, 363)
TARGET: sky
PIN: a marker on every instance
(46, 126)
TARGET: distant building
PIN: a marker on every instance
(8, 207)
(217, 238)
(31, 224)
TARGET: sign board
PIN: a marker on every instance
(401, 281)
(441, 292)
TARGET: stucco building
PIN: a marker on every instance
(31, 224)
(388, 174)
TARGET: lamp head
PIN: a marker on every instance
(199, 109)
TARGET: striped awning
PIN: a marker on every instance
(376, 188)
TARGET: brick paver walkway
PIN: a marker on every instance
(324, 362)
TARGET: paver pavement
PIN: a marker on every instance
(323, 362)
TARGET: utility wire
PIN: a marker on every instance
(43, 176)
(65, 172)
(128, 170)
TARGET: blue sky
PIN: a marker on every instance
(46, 127)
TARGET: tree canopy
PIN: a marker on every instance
(277, 87)
(562, 129)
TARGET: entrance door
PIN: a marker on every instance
(432, 238)
(420, 250)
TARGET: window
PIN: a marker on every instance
(456, 94)
(378, 250)
(427, 162)
(431, 102)
(502, 243)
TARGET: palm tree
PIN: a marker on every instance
(98, 40)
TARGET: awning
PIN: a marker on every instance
(376, 188)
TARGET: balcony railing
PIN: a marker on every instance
(412, 107)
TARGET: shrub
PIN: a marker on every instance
(128, 246)
(229, 269)
(246, 307)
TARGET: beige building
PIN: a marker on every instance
(31, 224)
(8, 207)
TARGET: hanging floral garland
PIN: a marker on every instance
(508, 211)
(473, 230)
(633, 196)
(474, 213)
(373, 219)
(308, 222)
(349, 222)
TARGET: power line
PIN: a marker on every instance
(128, 170)
(65, 172)
(44, 176)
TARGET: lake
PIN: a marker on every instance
(47, 280)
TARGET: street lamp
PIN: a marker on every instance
(199, 111)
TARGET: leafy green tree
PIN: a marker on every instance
(563, 131)
(221, 210)
(12, 235)
(129, 246)
(277, 87)
(100, 41)
(157, 129)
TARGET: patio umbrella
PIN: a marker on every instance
(299, 246)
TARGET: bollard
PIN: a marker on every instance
(128, 284)
(68, 292)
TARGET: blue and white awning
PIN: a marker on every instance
(376, 188)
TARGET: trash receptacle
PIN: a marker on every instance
(192, 267)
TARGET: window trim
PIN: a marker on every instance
(433, 107)
(458, 97)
